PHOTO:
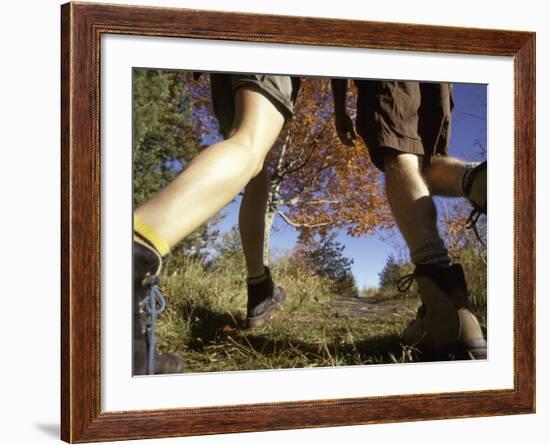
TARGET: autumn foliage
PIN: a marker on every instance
(317, 183)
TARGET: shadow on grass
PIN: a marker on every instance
(381, 347)
(209, 326)
(213, 327)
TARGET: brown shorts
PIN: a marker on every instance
(280, 90)
(410, 117)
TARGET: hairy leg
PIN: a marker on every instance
(252, 222)
(443, 319)
(410, 199)
(218, 173)
(444, 176)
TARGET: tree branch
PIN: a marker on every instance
(296, 225)
(321, 201)
(311, 180)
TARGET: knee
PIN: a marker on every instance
(258, 166)
(255, 154)
(252, 156)
(263, 176)
(255, 162)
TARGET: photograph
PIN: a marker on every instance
(284, 221)
(278, 222)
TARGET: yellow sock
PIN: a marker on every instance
(146, 233)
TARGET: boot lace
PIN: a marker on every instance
(403, 285)
(471, 223)
(405, 282)
(153, 304)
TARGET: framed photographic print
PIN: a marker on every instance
(242, 193)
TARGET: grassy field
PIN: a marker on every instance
(206, 316)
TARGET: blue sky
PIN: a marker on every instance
(369, 253)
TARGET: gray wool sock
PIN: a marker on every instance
(432, 251)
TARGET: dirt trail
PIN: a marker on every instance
(369, 308)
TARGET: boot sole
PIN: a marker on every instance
(456, 351)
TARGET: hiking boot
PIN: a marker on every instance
(263, 297)
(475, 188)
(444, 322)
(148, 302)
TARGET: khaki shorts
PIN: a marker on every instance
(409, 117)
(280, 90)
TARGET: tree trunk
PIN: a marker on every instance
(269, 218)
(273, 196)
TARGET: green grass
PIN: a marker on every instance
(205, 321)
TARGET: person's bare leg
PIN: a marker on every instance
(252, 222)
(437, 322)
(263, 295)
(217, 174)
(453, 177)
(445, 318)
(410, 199)
(444, 176)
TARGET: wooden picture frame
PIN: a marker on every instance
(82, 26)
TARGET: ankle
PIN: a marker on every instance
(258, 277)
(433, 252)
